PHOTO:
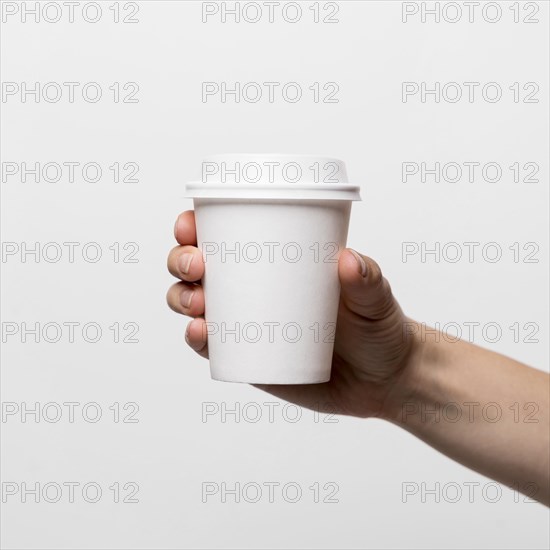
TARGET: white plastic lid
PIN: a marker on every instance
(273, 176)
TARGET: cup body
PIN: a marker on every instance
(271, 287)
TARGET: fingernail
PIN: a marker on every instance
(176, 227)
(361, 264)
(187, 333)
(185, 262)
(185, 298)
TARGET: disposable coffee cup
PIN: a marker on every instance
(271, 228)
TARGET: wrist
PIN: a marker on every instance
(409, 387)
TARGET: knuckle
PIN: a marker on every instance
(172, 304)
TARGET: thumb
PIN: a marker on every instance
(364, 291)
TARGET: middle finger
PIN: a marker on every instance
(185, 263)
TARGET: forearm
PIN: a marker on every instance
(480, 408)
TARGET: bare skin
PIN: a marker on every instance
(482, 409)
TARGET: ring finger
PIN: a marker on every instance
(187, 299)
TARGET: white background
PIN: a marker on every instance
(170, 452)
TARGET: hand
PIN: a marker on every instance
(382, 362)
(372, 351)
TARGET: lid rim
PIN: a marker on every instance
(274, 185)
(280, 191)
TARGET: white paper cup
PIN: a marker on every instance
(270, 238)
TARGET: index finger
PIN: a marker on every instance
(184, 229)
